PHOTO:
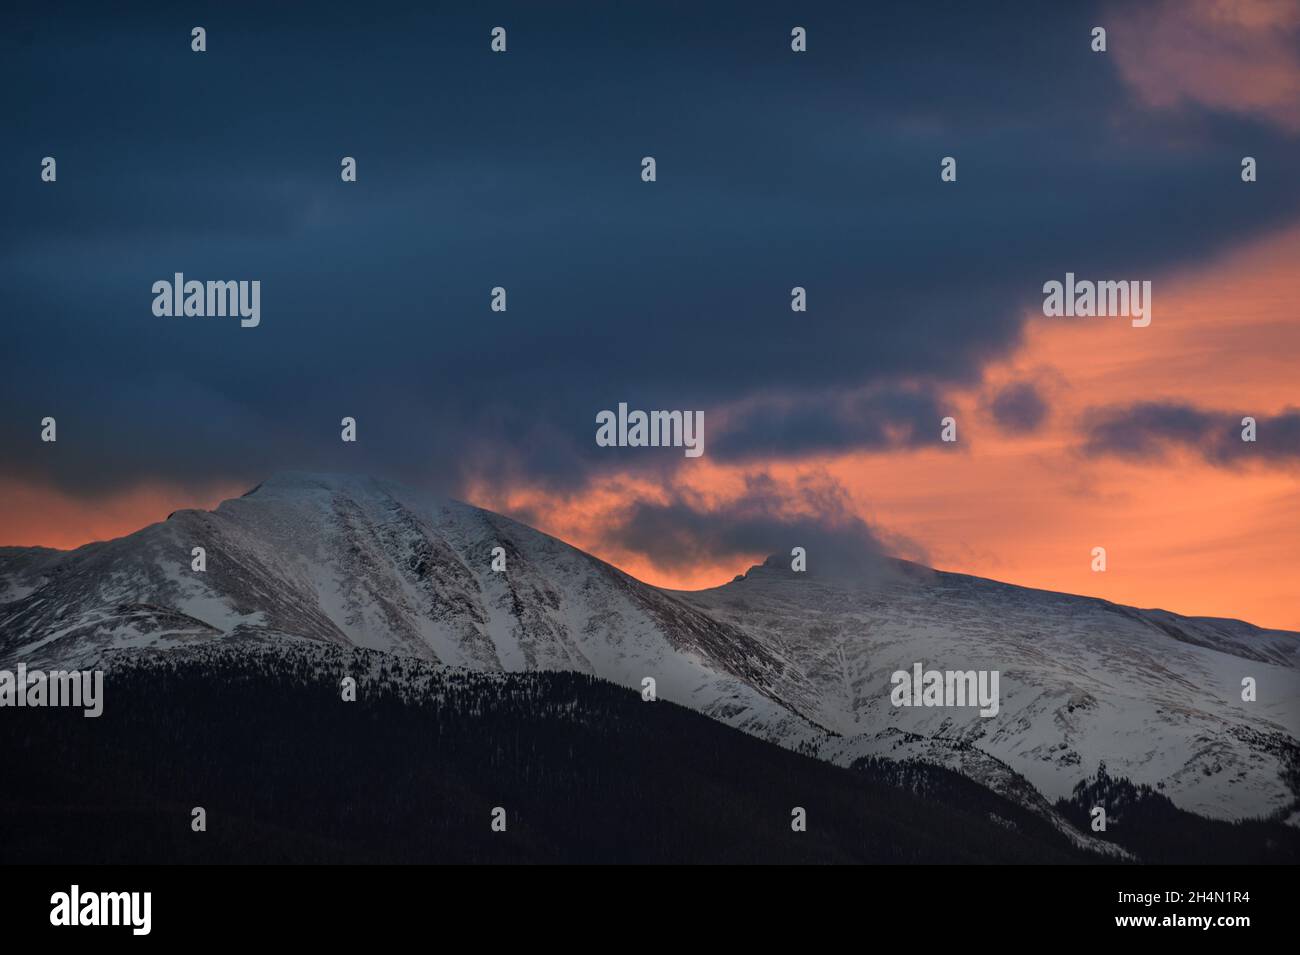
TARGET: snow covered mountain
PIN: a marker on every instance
(357, 562)
(799, 659)
(1156, 696)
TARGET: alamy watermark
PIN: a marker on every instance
(36, 688)
(74, 908)
(209, 299)
(1103, 299)
(652, 429)
(924, 687)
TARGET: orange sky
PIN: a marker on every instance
(32, 515)
(1180, 534)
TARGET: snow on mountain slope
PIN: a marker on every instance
(22, 569)
(1155, 695)
(358, 562)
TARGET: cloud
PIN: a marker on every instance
(1152, 430)
(873, 419)
(1241, 57)
(767, 518)
(521, 171)
(1019, 407)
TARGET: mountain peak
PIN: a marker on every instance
(355, 486)
(317, 480)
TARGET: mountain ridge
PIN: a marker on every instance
(801, 660)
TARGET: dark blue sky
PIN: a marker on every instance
(522, 170)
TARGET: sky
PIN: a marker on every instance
(775, 169)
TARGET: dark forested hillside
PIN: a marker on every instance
(410, 772)
(1147, 823)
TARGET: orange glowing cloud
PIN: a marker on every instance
(1241, 56)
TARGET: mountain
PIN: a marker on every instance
(356, 562)
(803, 660)
(1156, 696)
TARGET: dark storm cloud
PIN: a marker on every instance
(522, 170)
(767, 518)
(877, 420)
(1019, 408)
(1151, 430)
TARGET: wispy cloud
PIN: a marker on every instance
(1234, 56)
(1151, 430)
